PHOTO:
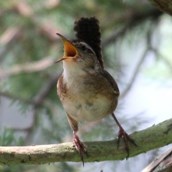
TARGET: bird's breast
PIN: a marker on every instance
(85, 98)
(88, 109)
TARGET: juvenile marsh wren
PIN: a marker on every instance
(86, 90)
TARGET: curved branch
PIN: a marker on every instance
(148, 139)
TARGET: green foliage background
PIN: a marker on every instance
(128, 28)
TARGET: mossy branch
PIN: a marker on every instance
(148, 139)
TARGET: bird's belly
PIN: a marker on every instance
(89, 109)
(87, 98)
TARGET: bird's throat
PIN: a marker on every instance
(72, 71)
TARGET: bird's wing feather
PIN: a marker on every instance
(111, 81)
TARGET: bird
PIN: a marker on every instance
(86, 90)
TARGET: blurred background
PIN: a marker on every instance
(136, 46)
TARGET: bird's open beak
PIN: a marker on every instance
(69, 49)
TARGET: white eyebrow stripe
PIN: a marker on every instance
(87, 46)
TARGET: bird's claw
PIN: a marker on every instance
(80, 147)
(126, 138)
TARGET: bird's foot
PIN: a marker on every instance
(126, 138)
(80, 147)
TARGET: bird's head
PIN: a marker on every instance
(78, 54)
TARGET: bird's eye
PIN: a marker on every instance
(86, 48)
(83, 48)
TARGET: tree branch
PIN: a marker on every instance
(163, 5)
(140, 62)
(27, 67)
(8, 40)
(133, 20)
(162, 163)
(148, 139)
(16, 98)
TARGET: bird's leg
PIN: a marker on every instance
(80, 147)
(123, 135)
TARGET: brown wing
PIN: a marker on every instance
(111, 81)
(61, 87)
(88, 30)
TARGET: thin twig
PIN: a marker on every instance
(162, 58)
(16, 98)
(162, 163)
(8, 40)
(134, 20)
(141, 61)
(45, 89)
(39, 101)
(135, 74)
(36, 102)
